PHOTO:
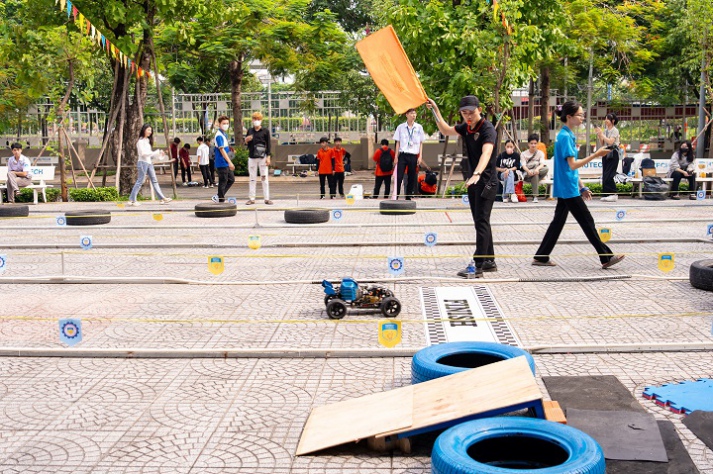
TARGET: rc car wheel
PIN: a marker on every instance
(390, 307)
(336, 309)
(397, 208)
(14, 210)
(505, 445)
(216, 209)
(452, 357)
(701, 274)
(96, 217)
(306, 216)
(329, 298)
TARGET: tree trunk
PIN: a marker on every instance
(60, 114)
(545, 104)
(531, 108)
(236, 97)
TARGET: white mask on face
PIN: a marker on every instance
(257, 123)
(225, 127)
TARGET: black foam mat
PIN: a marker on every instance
(701, 424)
(606, 393)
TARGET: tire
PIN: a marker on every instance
(336, 309)
(216, 209)
(329, 298)
(453, 357)
(701, 274)
(504, 445)
(14, 210)
(390, 307)
(306, 216)
(96, 217)
(397, 208)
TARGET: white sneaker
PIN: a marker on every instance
(185, 184)
(535, 200)
(513, 198)
(611, 198)
(166, 200)
(133, 203)
(214, 198)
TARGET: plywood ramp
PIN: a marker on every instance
(485, 389)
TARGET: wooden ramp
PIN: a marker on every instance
(496, 388)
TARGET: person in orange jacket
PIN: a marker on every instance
(341, 156)
(380, 175)
(325, 158)
(428, 183)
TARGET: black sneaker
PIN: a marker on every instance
(464, 273)
(489, 266)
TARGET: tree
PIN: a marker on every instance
(353, 15)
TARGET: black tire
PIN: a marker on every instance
(397, 208)
(514, 445)
(329, 298)
(216, 209)
(336, 309)
(306, 216)
(452, 357)
(96, 217)
(14, 210)
(701, 274)
(390, 307)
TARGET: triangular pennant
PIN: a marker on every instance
(89, 27)
(75, 12)
(94, 32)
(103, 40)
(69, 8)
(63, 4)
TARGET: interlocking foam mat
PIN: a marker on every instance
(683, 397)
(701, 424)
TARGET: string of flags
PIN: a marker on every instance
(87, 28)
(504, 20)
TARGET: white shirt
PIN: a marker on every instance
(143, 146)
(22, 165)
(203, 154)
(409, 139)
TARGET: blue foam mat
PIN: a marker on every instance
(683, 397)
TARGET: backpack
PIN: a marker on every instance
(655, 189)
(386, 162)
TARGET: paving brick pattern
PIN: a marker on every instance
(246, 415)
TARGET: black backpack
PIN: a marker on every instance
(655, 188)
(386, 162)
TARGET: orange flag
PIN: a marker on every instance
(388, 65)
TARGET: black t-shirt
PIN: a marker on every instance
(485, 133)
(260, 137)
(508, 161)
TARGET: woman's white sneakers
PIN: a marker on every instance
(133, 203)
(166, 200)
(610, 198)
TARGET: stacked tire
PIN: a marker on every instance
(216, 210)
(397, 208)
(83, 218)
(306, 216)
(701, 274)
(14, 210)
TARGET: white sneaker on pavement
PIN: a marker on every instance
(513, 198)
(535, 200)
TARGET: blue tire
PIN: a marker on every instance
(514, 445)
(453, 357)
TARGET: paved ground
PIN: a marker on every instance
(246, 415)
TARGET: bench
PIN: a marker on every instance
(39, 173)
(293, 161)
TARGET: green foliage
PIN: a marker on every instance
(26, 195)
(94, 195)
(241, 162)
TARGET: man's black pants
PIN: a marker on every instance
(226, 178)
(410, 160)
(480, 208)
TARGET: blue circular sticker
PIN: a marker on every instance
(396, 264)
(701, 195)
(232, 200)
(431, 238)
(465, 199)
(61, 221)
(337, 214)
(620, 214)
(70, 330)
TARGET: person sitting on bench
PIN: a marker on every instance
(18, 172)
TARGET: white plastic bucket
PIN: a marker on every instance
(357, 191)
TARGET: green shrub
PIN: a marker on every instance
(94, 195)
(241, 162)
(527, 189)
(26, 195)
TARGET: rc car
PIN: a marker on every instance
(350, 293)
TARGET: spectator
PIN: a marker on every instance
(428, 183)
(185, 156)
(211, 161)
(506, 164)
(570, 193)
(19, 173)
(223, 165)
(145, 167)
(258, 142)
(174, 155)
(677, 135)
(340, 157)
(610, 139)
(479, 136)
(325, 158)
(682, 165)
(203, 162)
(384, 158)
(533, 165)
(409, 137)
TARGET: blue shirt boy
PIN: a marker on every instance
(566, 180)
(221, 141)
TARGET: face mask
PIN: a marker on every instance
(257, 123)
(683, 151)
(225, 127)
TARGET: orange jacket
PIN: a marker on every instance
(325, 157)
(339, 159)
(426, 188)
(377, 159)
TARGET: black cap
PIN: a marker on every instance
(469, 102)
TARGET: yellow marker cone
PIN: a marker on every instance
(389, 332)
(350, 199)
(666, 262)
(254, 242)
(158, 217)
(120, 205)
(216, 264)
(605, 234)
